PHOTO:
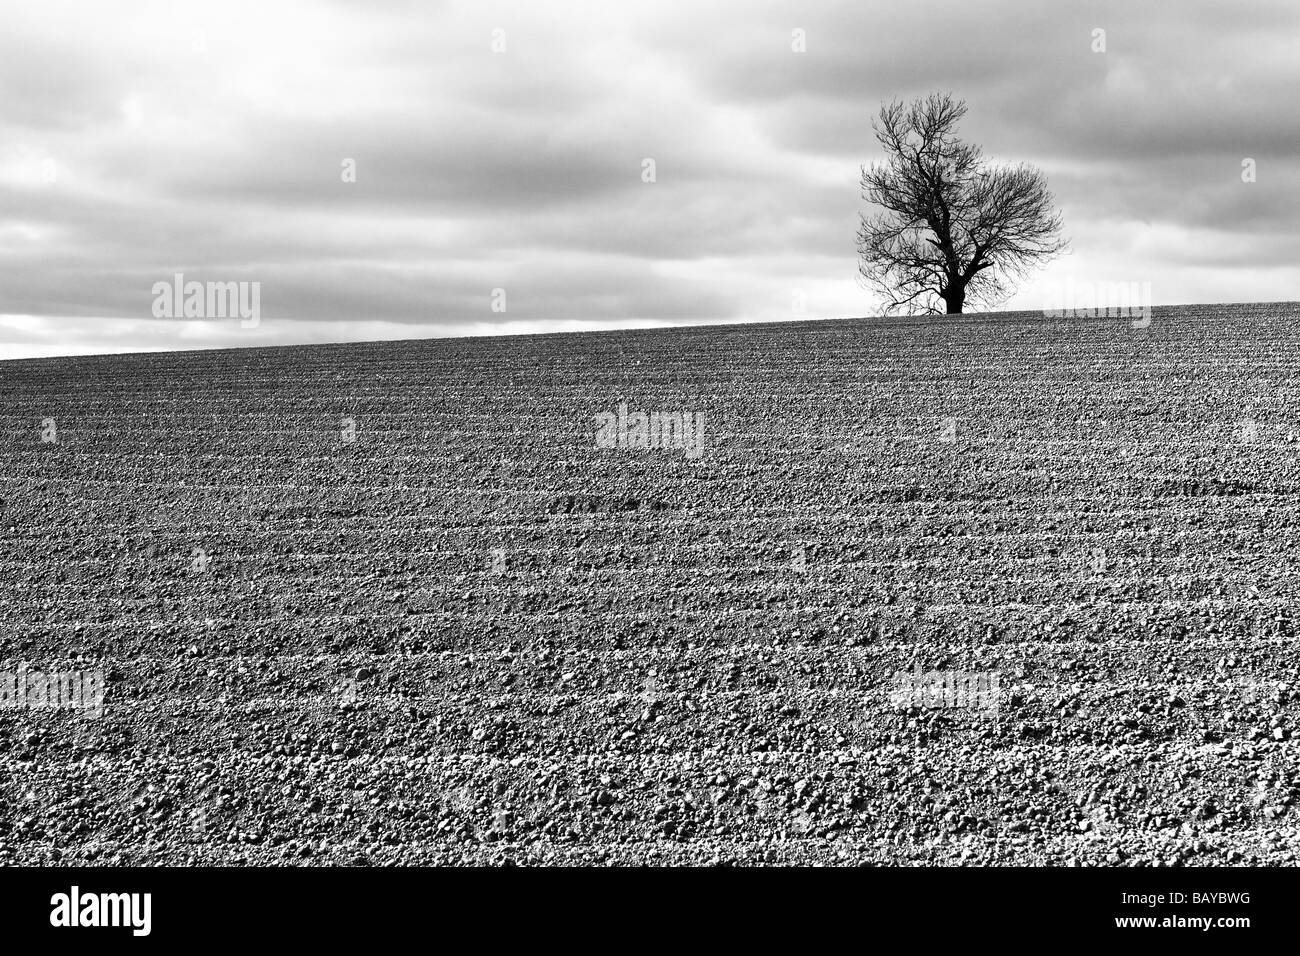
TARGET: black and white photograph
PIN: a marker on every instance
(461, 441)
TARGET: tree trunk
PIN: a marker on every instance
(954, 298)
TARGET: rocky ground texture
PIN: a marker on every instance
(456, 631)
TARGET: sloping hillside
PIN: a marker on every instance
(448, 601)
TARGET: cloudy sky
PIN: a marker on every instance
(139, 140)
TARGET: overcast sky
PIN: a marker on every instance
(139, 140)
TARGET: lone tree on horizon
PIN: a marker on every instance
(951, 228)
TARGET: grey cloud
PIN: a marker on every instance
(523, 170)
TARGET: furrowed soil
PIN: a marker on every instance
(391, 603)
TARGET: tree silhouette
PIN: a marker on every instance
(950, 229)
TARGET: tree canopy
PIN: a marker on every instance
(949, 228)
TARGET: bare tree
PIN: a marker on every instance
(950, 228)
